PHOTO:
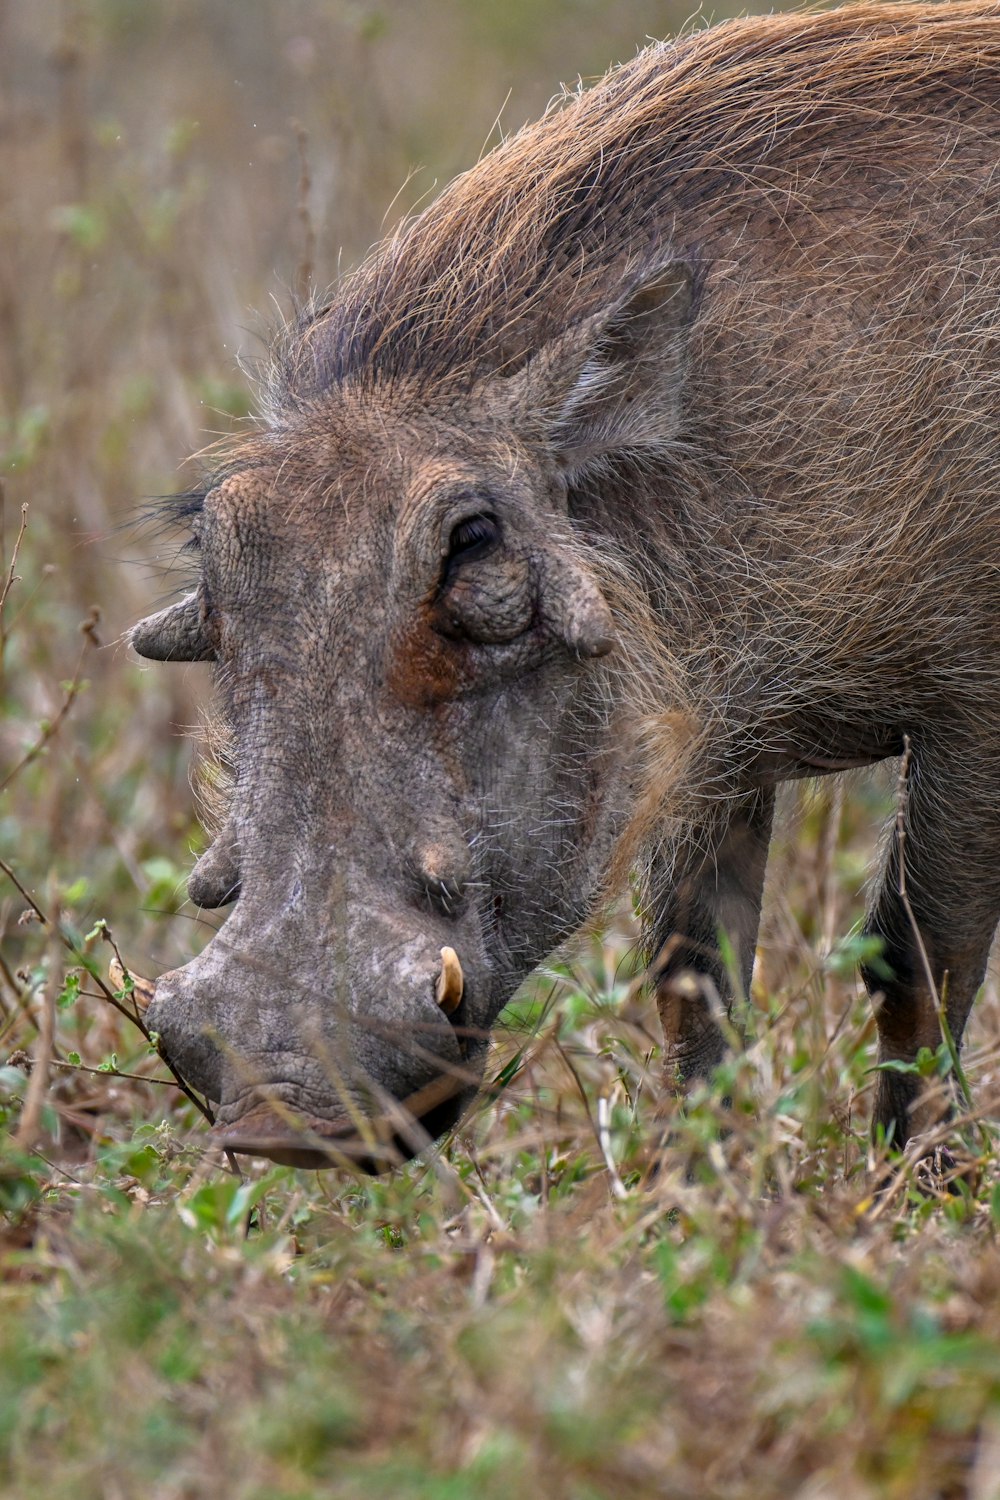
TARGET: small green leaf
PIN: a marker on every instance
(70, 991)
(508, 1072)
(856, 949)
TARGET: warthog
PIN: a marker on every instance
(653, 464)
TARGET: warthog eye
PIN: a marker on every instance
(487, 605)
(477, 537)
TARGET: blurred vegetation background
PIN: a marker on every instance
(565, 1301)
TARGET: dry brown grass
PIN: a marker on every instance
(570, 1300)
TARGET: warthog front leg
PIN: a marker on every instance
(718, 893)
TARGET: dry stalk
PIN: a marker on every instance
(618, 1188)
(70, 695)
(68, 65)
(11, 577)
(20, 996)
(305, 276)
(601, 1136)
(29, 1126)
(826, 884)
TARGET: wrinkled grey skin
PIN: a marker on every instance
(416, 746)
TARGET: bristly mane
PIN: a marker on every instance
(522, 245)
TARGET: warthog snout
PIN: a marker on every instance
(316, 1068)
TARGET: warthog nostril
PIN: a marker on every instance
(450, 985)
(142, 989)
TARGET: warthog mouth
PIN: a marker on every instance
(372, 1144)
(262, 1121)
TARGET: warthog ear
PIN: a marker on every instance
(175, 634)
(613, 384)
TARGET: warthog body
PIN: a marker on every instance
(655, 463)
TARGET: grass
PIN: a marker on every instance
(589, 1291)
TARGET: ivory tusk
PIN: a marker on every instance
(450, 984)
(142, 989)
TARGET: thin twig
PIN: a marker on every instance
(29, 1125)
(595, 1127)
(618, 1188)
(68, 941)
(21, 998)
(11, 579)
(53, 727)
(482, 1194)
(306, 270)
(26, 894)
(72, 1067)
(55, 1167)
(826, 885)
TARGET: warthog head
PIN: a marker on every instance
(409, 629)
